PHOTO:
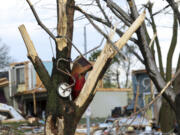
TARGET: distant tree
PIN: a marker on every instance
(115, 72)
(4, 55)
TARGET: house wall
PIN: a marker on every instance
(105, 101)
(142, 83)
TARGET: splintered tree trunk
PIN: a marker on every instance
(64, 125)
(61, 112)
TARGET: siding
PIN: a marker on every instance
(104, 102)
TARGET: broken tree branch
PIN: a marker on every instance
(39, 21)
(33, 56)
(62, 18)
(65, 16)
(106, 55)
(152, 40)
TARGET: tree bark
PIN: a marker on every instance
(167, 115)
(150, 64)
(154, 74)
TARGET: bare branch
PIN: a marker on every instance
(113, 5)
(103, 12)
(33, 56)
(101, 32)
(172, 49)
(150, 5)
(137, 55)
(120, 17)
(175, 8)
(39, 21)
(110, 26)
(160, 10)
(119, 32)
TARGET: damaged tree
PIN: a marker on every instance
(171, 95)
(63, 115)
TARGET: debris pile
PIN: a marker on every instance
(9, 114)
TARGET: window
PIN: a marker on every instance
(20, 75)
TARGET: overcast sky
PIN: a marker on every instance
(16, 12)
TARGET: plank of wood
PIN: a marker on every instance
(136, 99)
(34, 103)
(114, 89)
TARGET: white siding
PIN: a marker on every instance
(104, 102)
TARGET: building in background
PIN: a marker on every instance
(26, 89)
(143, 93)
(29, 95)
(106, 99)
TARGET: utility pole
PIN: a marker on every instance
(88, 113)
(85, 42)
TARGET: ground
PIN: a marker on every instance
(36, 128)
(21, 128)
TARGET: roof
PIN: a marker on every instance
(113, 89)
(27, 92)
(19, 63)
(4, 74)
(4, 82)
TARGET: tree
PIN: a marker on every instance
(159, 78)
(119, 62)
(4, 55)
(62, 115)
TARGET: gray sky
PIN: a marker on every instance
(16, 12)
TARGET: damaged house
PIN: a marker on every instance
(28, 94)
(25, 88)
